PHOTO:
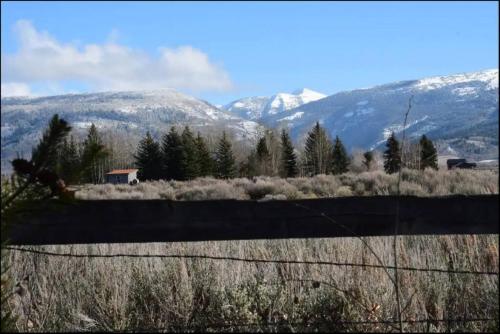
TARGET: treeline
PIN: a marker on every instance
(86, 161)
(185, 156)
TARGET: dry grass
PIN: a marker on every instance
(123, 293)
(414, 182)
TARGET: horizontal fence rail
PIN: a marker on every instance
(124, 221)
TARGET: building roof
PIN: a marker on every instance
(122, 171)
(455, 160)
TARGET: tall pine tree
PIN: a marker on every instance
(172, 151)
(340, 160)
(428, 154)
(148, 159)
(224, 160)
(392, 155)
(318, 151)
(205, 160)
(263, 157)
(69, 167)
(93, 156)
(288, 157)
(190, 164)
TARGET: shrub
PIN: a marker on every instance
(324, 185)
(343, 191)
(270, 197)
(259, 189)
(218, 191)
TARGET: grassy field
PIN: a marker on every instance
(194, 294)
(179, 295)
(413, 182)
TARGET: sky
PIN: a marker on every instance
(222, 51)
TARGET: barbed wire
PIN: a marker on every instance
(248, 260)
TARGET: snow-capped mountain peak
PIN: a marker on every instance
(308, 94)
(490, 77)
(258, 107)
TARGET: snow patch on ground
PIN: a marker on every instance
(81, 125)
(464, 91)
(292, 117)
(450, 150)
(489, 162)
(127, 110)
(475, 143)
(396, 128)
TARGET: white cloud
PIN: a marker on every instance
(109, 66)
(15, 89)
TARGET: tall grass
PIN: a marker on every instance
(72, 294)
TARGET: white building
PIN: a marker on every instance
(122, 176)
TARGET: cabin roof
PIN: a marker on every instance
(121, 171)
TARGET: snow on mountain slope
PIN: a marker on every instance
(256, 108)
(129, 113)
(446, 108)
(490, 77)
(250, 108)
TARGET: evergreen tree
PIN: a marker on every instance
(224, 160)
(205, 160)
(392, 155)
(428, 154)
(172, 150)
(318, 151)
(249, 168)
(190, 166)
(288, 157)
(368, 159)
(148, 159)
(32, 183)
(45, 156)
(69, 167)
(93, 156)
(263, 157)
(340, 160)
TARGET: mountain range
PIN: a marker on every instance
(128, 114)
(460, 112)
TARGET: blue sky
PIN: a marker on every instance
(221, 51)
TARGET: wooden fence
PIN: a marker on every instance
(114, 221)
